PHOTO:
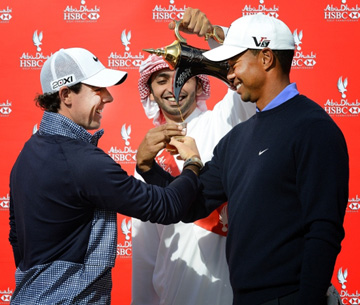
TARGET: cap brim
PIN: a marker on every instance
(223, 52)
(106, 78)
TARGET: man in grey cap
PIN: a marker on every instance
(65, 192)
(284, 173)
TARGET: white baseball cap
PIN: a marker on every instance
(68, 67)
(253, 32)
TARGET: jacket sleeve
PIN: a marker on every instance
(322, 182)
(104, 184)
(156, 175)
(13, 235)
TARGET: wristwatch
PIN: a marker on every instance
(194, 161)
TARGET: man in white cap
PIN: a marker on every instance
(183, 263)
(284, 173)
(65, 192)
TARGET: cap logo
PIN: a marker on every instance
(66, 80)
(262, 43)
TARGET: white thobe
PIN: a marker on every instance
(184, 264)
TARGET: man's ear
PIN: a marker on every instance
(268, 58)
(65, 95)
(199, 88)
(151, 96)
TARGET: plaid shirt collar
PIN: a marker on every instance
(56, 124)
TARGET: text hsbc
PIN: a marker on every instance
(167, 15)
(28, 63)
(75, 16)
(341, 15)
(342, 110)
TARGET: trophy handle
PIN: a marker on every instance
(177, 33)
(212, 35)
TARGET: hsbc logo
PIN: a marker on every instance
(82, 13)
(125, 60)
(354, 15)
(302, 60)
(343, 106)
(354, 204)
(31, 60)
(5, 108)
(354, 110)
(160, 13)
(261, 8)
(117, 62)
(5, 296)
(94, 16)
(4, 202)
(127, 154)
(309, 62)
(346, 296)
(342, 13)
(81, 17)
(137, 62)
(5, 15)
(67, 80)
(350, 300)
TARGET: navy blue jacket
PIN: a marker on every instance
(56, 184)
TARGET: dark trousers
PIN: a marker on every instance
(285, 300)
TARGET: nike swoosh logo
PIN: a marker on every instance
(262, 151)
